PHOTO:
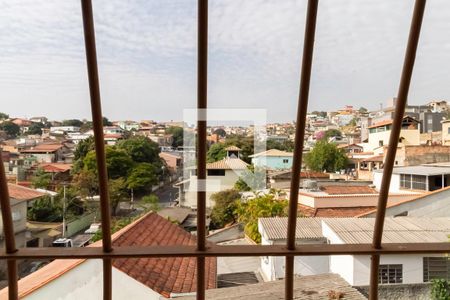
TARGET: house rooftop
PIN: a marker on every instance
(360, 230)
(55, 167)
(276, 228)
(420, 170)
(44, 148)
(228, 163)
(273, 153)
(396, 230)
(312, 287)
(22, 193)
(232, 148)
(348, 189)
(335, 212)
(163, 275)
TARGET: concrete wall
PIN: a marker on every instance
(394, 186)
(422, 154)
(434, 205)
(85, 282)
(412, 267)
(79, 224)
(273, 267)
(421, 291)
(411, 137)
(351, 200)
(214, 184)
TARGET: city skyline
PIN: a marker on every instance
(147, 57)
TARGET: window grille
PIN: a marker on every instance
(436, 268)
(11, 254)
(390, 274)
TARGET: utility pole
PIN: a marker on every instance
(64, 211)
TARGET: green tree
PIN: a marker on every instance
(45, 209)
(141, 149)
(118, 162)
(151, 202)
(440, 289)
(322, 114)
(224, 206)
(3, 116)
(84, 147)
(11, 129)
(35, 128)
(287, 145)
(332, 133)
(260, 207)
(177, 135)
(86, 183)
(326, 156)
(142, 177)
(362, 110)
(117, 193)
(216, 152)
(251, 178)
(106, 122)
(72, 122)
(41, 179)
(220, 132)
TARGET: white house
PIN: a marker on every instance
(429, 177)
(132, 278)
(355, 269)
(380, 132)
(221, 175)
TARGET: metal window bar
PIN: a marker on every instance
(305, 79)
(11, 254)
(402, 98)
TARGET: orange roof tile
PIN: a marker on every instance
(338, 212)
(163, 275)
(348, 189)
(55, 167)
(44, 148)
(22, 193)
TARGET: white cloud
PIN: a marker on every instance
(147, 55)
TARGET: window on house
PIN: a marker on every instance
(448, 130)
(389, 274)
(285, 161)
(216, 172)
(436, 268)
(380, 143)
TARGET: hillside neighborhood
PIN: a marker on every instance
(52, 178)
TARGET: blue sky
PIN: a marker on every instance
(147, 56)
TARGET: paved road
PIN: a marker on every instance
(167, 194)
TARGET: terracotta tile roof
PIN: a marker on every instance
(55, 167)
(232, 148)
(348, 189)
(163, 275)
(112, 136)
(377, 158)
(382, 123)
(22, 193)
(44, 148)
(338, 212)
(227, 164)
(273, 152)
